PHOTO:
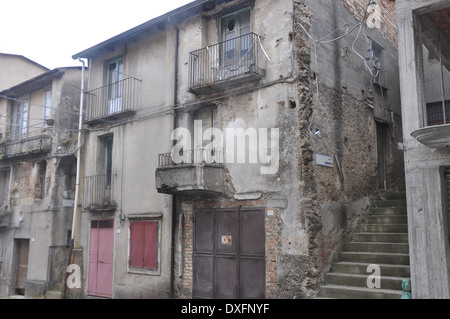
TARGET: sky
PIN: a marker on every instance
(49, 32)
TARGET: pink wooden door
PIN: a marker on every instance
(101, 251)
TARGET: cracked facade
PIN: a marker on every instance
(150, 228)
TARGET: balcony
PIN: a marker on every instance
(26, 148)
(111, 102)
(98, 193)
(433, 136)
(198, 173)
(437, 133)
(225, 65)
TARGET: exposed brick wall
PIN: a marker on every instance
(271, 253)
(188, 244)
(388, 16)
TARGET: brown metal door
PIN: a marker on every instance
(229, 249)
(226, 255)
(252, 252)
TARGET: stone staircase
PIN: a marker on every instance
(383, 241)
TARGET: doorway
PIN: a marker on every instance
(382, 143)
(229, 254)
(22, 252)
(101, 251)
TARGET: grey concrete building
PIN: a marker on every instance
(37, 166)
(423, 28)
(228, 153)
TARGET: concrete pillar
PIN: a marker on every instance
(428, 238)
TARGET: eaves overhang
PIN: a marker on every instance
(33, 84)
(187, 10)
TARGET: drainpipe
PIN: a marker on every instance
(175, 98)
(77, 186)
(80, 127)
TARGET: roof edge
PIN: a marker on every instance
(25, 58)
(47, 75)
(138, 29)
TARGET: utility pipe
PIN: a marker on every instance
(174, 201)
(77, 185)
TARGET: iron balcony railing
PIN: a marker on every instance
(224, 60)
(98, 192)
(200, 156)
(114, 98)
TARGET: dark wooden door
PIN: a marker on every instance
(382, 131)
(23, 248)
(229, 250)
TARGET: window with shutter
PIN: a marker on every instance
(144, 245)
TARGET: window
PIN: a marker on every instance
(208, 149)
(40, 182)
(108, 159)
(4, 187)
(435, 113)
(375, 52)
(47, 106)
(42, 176)
(144, 244)
(115, 86)
(235, 36)
(19, 121)
(435, 76)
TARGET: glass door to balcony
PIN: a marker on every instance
(115, 86)
(236, 45)
(20, 119)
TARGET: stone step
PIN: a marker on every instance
(375, 258)
(385, 282)
(361, 269)
(387, 195)
(349, 292)
(387, 211)
(387, 219)
(381, 237)
(384, 228)
(380, 247)
(400, 203)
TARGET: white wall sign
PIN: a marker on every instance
(324, 160)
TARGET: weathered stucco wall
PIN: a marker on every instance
(35, 201)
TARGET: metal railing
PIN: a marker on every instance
(200, 156)
(224, 60)
(98, 192)
(112, 99)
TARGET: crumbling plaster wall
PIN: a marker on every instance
(316, 207)
(41, 217)
(343, 106)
